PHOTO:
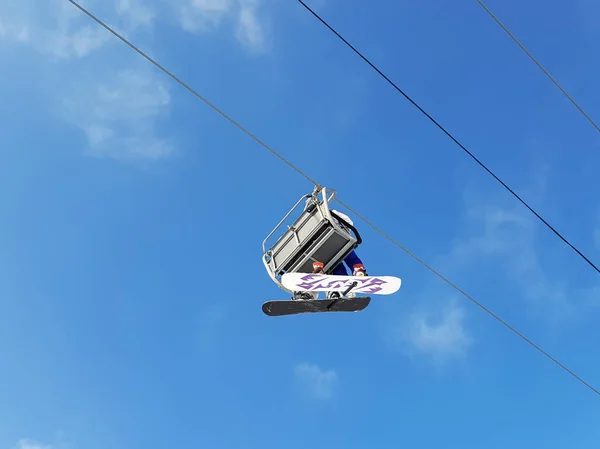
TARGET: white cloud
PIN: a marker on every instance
(136, 11)
(316, 382)
(26, 443)
(204, 15)
(120, 115)
(54, 28)
(505, 241)
(496, 246)
(509, 248)
(436, 331)
(57, 28)
(441, 334)
(200, 16)
(249, 31)
(17, 32)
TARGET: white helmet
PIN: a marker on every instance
(344, 217)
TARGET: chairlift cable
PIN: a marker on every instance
(512, 36)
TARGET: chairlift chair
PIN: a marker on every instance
(317, 235)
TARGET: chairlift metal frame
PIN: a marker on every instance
(318, 234)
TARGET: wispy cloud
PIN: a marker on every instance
(435, 330)
(249, 31)
(138, 13)
(53, 28)
(505, 240)
(26, 443)
(316, 382)
(59, 29)
(497, 244)
(440, 334)
(201, 16)
(502, 242)
(118, 108)
(204, 15)
(119, 116)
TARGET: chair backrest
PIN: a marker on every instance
(314, 236)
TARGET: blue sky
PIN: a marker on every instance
(133, 216)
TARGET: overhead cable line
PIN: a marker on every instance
(558, 234)
(539, 65)
(186, 86)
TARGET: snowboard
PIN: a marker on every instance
(371, 285)
(298, 306)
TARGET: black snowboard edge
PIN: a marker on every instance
(295, 307)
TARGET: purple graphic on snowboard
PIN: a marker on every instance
(370, 282)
